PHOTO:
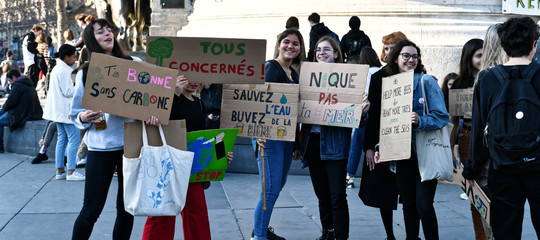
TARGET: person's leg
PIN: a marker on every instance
(387, 219)
(532, 189)
(425, 193)
(49, 135)
(274, 164)
(335, 172)
(72, 145)
(61, 142)
(357, 145)
(195, 221)
(406, 182)
(159, 228)
(124, 221)
(99, 171)
(319, 179)
(507, 204)
(33, 73)
(3, 123)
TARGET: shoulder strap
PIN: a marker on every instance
(500, 73)
(530, 71)
(426, 104)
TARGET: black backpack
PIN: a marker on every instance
(512, 132)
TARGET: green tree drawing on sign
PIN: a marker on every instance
(159, 49)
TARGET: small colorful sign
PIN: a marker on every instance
(210, 60)
(210, 148)
(129, 88)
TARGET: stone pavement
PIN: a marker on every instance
(33, 205)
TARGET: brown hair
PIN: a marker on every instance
(37, 27)
(334, 45)
(392, 38)
(89, 18)
(298, 59)
(68, 35)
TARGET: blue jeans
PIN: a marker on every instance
(3, 123)
(277, 161)
(68, 136)
(357, 146)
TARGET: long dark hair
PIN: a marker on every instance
(298, 59)
(467, 72)
(369, 56)
(93, 46)
(392, 65)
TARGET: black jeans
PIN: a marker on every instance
(417, 198)
(99, 173)
(33, 73)
(329, 182)
(508, 194)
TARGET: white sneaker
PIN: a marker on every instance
(76, 176)
(81, 162)
(60, 176)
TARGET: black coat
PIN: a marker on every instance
(22, 104)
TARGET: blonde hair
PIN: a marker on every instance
(68, 35)
(493, 54)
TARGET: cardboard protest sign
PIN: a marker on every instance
(521, 7)
(129, 88)
(477, 196)
(210, 60)
(266, 111)
(175, 135)
(460, 102)
(396, 107)
(210, 148)
(331, 94)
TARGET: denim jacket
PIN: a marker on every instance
(334, 145)
(438, 115)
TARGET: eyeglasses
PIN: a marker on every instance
(407, 56)
(326, 49)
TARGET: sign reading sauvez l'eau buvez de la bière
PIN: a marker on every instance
(331, 94)
(396, 107)
(210, 60)
(266, 111)
(128, 88)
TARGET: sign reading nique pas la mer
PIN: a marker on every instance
(129, 88)
(266, 111)
(331, 94)
(210, 60)
(396, 107)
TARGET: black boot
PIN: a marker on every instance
(40, 158)
(1, 146)
(327, 235)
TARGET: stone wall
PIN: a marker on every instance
(439, 27)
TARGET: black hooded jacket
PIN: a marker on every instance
(22, 104)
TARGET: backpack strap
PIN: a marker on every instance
(500, 73)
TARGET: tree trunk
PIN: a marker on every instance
(60, 22)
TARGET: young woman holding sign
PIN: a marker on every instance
(278, 154)
(195, 223)
(105, 145)
(327, 158)
(417, 196)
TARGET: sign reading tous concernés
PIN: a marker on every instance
(210, 60)
(129, 88)
(396, 107)
(266, 111)
(331, 94)
(460, 102)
